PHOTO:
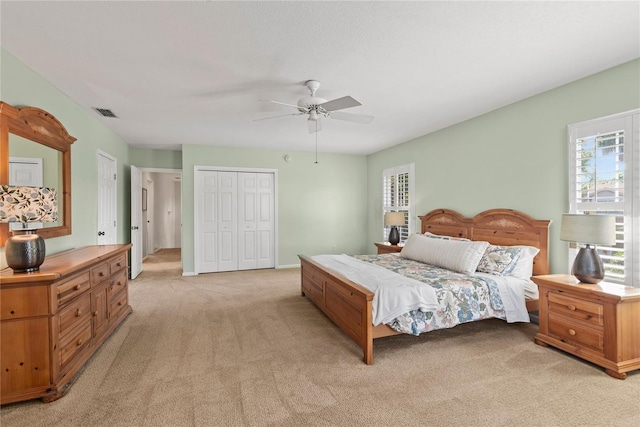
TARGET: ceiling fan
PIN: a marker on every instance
(317, 108)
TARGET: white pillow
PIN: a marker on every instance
(438, 236)
(454, 255)
(524, 266)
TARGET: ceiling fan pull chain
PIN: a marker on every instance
(316, 142)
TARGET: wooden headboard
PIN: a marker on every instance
(505, 227)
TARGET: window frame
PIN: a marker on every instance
(395, 171)
(629, 227)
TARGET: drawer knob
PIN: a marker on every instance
(572, 332)
(76, 287)
(80, 342)
(101, 273)
(78, 312)
(119, 302)
(571, 307)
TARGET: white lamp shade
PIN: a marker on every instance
(393, 218)
(590, 229)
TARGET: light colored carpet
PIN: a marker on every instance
(245, 349)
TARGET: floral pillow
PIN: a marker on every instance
(499, 260)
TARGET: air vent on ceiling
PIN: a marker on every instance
(105, 112)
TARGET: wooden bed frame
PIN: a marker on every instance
(348, 304)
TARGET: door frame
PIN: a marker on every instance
(203, 168)
(179, 204)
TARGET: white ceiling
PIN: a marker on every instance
(195, 72)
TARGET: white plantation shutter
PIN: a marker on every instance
(604, 176)
(397, 196)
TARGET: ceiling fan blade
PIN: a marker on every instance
(282, 103)
(314, 126)
(340, 103)
(275, 117)
(350, 117)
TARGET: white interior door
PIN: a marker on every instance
(26, 172)
(265, 221)
(256, 237)
(227, 221)
(107, 199)
(206, 221)
(234, 222)
(247, 206)
(136, 221)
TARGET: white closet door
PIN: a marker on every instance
(206, 221)
(247, 239)
(234, 220)
(265, 221)
(227, 221)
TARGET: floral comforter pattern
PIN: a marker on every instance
(461, 298)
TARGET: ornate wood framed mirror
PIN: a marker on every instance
(32, 130)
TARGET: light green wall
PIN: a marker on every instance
(165, 159)
(514, 157)
(21, 86)
(322, 208)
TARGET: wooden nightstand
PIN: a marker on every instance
(387, 248)
(598, 323)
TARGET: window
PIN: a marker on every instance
(604, 178)
(397, 196)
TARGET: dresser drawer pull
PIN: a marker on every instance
(80, 342)
(120, 302)
(101, 274)
(571, 307)
(95, 313)
(119, 264)
(572, 332)
(76, 287)
(78, 313)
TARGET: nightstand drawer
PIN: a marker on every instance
(576, 308)
(571, 332)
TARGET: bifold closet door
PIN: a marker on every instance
(235, 221)
(256, 221)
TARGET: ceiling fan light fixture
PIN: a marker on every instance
(313, 115)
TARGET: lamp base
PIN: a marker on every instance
(587, 266)
(394, 235)
(25, 251)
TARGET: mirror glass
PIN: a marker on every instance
(24, 155)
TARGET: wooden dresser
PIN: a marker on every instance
(53, 320)
(598, 323)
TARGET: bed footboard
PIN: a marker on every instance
(346, 303)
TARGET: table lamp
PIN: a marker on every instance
(590, 230)
(393, 219)
(25, 249)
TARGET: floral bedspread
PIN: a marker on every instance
(461, 298)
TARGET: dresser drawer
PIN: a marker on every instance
(71, 288)
(118, 263)
(74, 342)
(75, 313)
(572, 332)
(118, 302)
(587, 311)
(23, 302)
(99, 273)
(118, 282)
